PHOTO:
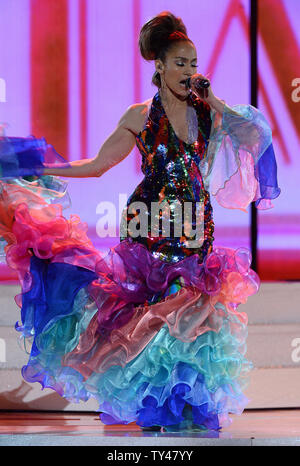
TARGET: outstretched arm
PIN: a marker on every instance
(114, 149)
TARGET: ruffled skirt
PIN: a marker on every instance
(154, 343)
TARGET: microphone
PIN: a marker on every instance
(199, 82)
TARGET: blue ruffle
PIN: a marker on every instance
(51, 295)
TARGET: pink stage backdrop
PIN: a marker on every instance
(279, 99)
(70, 68)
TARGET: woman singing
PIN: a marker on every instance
(152, 329)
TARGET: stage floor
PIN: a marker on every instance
(252, 428)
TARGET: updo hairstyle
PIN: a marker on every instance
(158, 35)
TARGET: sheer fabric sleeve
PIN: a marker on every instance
(240, 165)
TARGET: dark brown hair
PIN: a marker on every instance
(158, 35)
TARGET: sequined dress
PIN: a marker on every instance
(152, 329)
(173, 183)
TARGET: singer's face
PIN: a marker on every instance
(180, 64)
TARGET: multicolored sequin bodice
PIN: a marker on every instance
(172, 174)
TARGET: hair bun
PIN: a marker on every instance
(158, 31)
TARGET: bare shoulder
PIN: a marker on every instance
(135, 116)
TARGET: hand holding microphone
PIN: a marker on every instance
(199, 84)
